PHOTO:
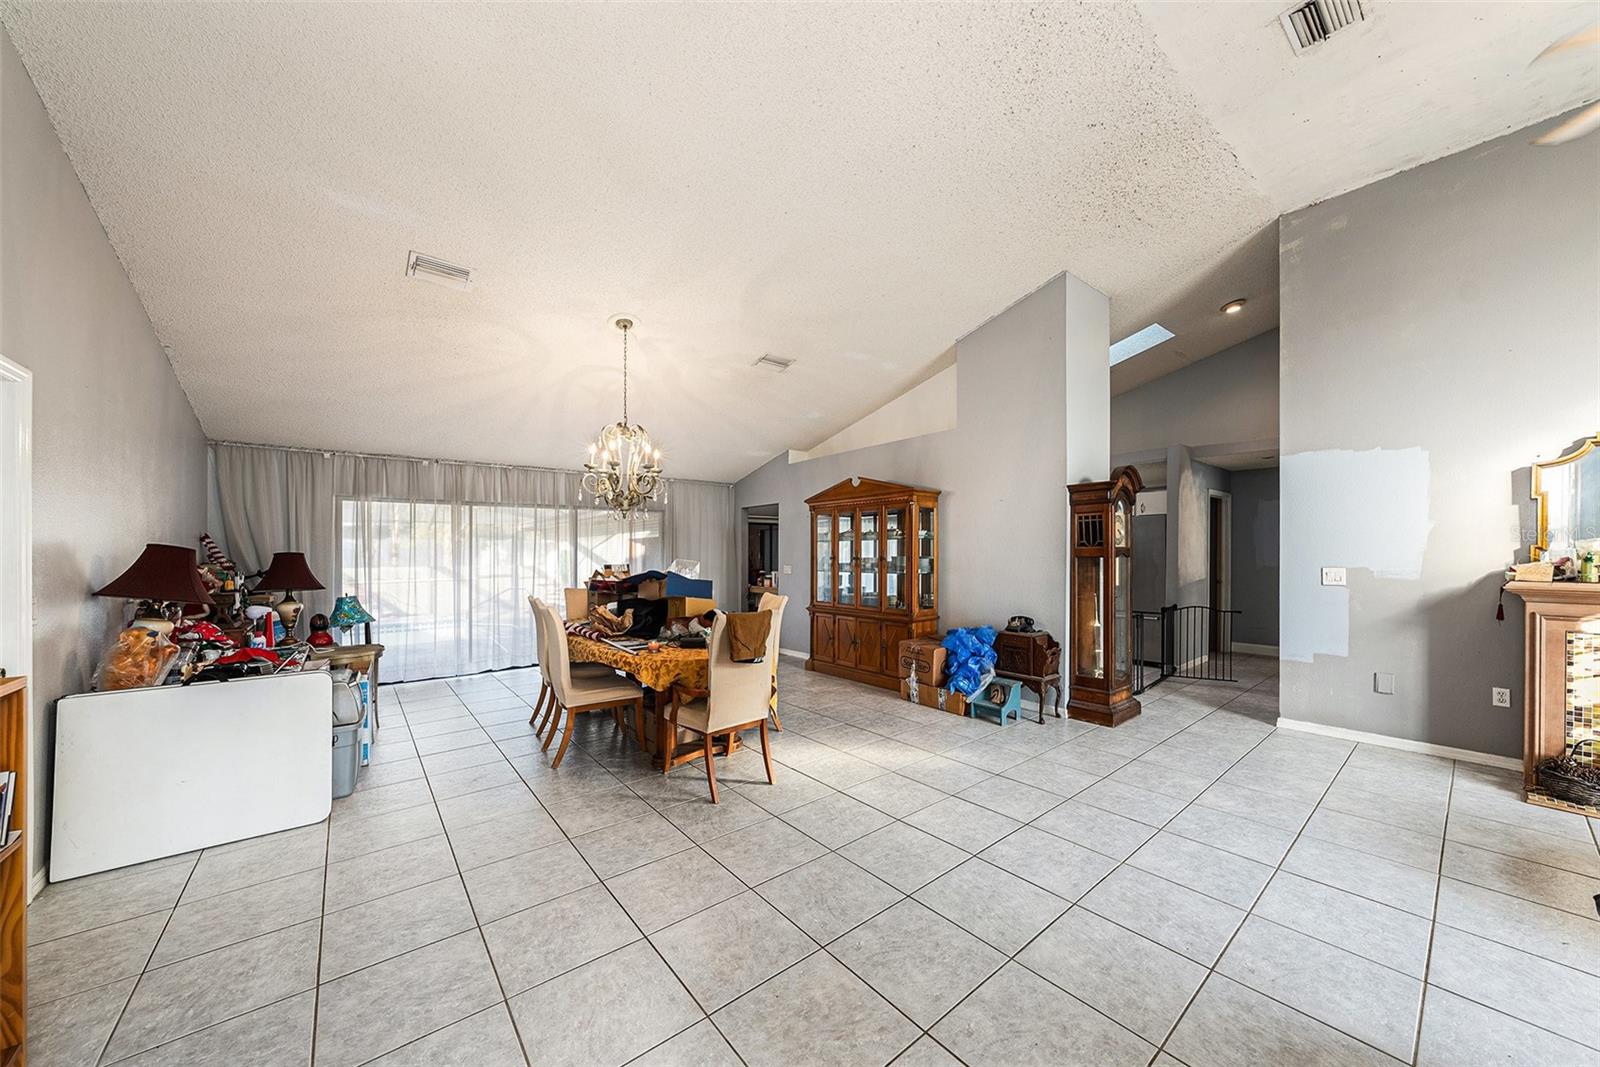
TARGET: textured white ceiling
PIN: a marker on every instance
(850, 186)
(1414, 82)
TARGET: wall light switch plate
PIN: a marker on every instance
(1500, 697)
(1333, 576)
(787, 569)
(1383, 683)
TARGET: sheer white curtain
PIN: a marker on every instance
(702, 524)
(445, 555)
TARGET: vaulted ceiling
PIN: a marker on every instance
(850, 186)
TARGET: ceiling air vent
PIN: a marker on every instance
(429, 269)
(1315, 21)
(773, 363)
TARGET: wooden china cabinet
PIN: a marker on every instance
(874, 576)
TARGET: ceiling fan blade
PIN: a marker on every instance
(1585, 121)
(1581, 39)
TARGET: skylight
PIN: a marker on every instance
(1135, 343)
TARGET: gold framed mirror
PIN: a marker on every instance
(1567, 491)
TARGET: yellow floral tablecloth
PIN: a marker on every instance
(655, 670)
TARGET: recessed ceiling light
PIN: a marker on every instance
(1135, 343)
(1232, 307)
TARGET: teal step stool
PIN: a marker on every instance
(1001, 697)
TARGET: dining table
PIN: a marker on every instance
(657, 670)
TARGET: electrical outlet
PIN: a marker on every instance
(1500, 697)
(1383, 683)
(1333, 576)
(787, 569)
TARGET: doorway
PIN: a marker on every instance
(761, 552)
(16, 560)
(1219, 576)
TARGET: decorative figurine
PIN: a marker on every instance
(320, 636)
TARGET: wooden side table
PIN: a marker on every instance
(363, 659)
(1034, 659)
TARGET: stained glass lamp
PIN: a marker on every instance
(347, 612)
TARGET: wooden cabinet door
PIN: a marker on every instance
(822, 643)
(847, 641)
(893, 634)
(869, 646)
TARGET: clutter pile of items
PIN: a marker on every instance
(200, 622)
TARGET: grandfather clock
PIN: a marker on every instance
(1101, 587)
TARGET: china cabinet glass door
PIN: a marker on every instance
(824, 586)
(925, 597)
(869, 522)
(846, 584)
(894, 559)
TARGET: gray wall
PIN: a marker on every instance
(118, 456)
(1255, 555)
(1229, 398)
(1190, 484)
(1002, 472)
(1438, 333)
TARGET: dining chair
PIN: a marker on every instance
(737, 696)
(578, 693)
(774, 603)
(541, 644)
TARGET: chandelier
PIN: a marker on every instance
(623, 471)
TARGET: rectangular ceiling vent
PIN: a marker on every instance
(1316, 20)
(431, 269)
(773, 363)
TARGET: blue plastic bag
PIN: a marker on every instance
(969, 659)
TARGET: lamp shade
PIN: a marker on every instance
(288, 571)
(347, 611)
(162, 572)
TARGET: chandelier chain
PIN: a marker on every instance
(625, 376)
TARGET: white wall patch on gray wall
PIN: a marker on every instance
(1369, 511)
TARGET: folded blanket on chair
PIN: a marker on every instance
(747, 635)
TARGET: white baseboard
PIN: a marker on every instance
(1403, 744)
(793, 652)
(36, 883)
(1256, 650)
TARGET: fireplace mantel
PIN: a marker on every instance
(1551, 611)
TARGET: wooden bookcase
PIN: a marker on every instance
(874, 576)
(14, 878)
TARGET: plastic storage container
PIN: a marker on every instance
(346, 736)
(346, 758)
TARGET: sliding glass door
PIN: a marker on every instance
(449, 583)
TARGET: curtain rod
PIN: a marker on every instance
(329, 452)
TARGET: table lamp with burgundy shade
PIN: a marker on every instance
(163, 576)
(286, 573)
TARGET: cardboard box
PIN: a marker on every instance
(577, 604)
(922, 658)
(931, 696)
(680, 607)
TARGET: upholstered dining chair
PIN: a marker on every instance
(737, 696)
(576, 694)
(545, 705)
(774, 603)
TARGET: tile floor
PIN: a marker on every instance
(1193, 888)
